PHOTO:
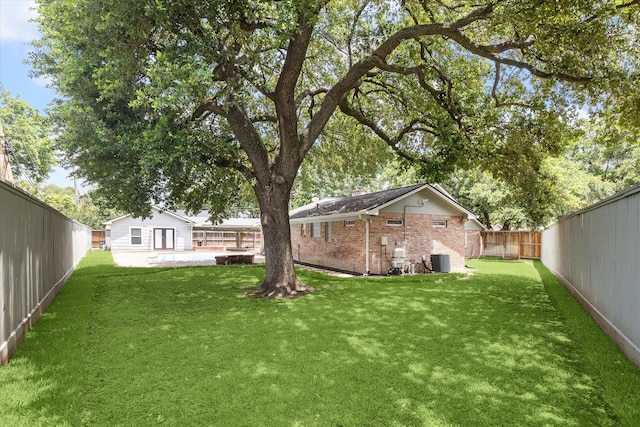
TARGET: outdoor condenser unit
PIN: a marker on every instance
(440, 263)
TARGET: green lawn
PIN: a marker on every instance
(503, 347)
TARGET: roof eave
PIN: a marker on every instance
(332, 217)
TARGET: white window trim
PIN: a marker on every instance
(327, 232)
(439, 223)
(131, 236)
(350, 223)
(391, 224)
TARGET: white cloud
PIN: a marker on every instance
(45, 82)
(14, 20)
(583, 113)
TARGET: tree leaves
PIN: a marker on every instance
(181, 99)
(28, 134)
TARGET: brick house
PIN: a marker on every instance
(361, 233)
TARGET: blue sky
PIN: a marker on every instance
(15, 34)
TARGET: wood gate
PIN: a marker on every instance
(97, 238)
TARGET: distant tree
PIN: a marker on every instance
(177, 100)
(30, 138)
(83, 208)
(609, 152)
(498, 204)
(567, 187)
(575, 186)
(60, 198)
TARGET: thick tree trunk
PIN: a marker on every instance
(281, 279)
(487, 220)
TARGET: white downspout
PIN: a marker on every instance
(367, 246)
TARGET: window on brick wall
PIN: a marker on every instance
(315, 229)
(439, 224)
(350, 223)
(327, 231)
(394, 222)
(303, 229)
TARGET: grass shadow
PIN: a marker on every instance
(186, 347)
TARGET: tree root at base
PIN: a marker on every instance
(281, 290)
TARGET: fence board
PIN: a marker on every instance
(512, 244)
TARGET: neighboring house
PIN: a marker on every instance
(361, 233)
(166, 230)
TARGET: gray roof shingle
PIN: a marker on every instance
(354, 204)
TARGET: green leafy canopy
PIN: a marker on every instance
(137, 74)
(179, 101)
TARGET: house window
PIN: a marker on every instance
(439, 224)
(394, 222)
(327, 234)
(350, 223)
(303, 229)
(315, 229)
(135, 234)
(107, 233)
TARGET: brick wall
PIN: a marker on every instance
(346, 248)
(474, 244)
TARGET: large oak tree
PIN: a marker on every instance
(175, 100)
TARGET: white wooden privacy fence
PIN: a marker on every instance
(39, 247)
(596, 254)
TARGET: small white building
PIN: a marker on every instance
(164, 230)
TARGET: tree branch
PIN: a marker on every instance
(235, 165)
(285, 87)
(375, 59)
(392, 142)
(510, 45)
(618, 7)
(483, 51)
(250, 141)
(300, 98)
(496, 97)
(244, 131)
(266, 118)
(208, 105)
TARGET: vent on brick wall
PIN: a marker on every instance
(439, 224)
(394, 222)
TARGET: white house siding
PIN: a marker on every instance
(424, 202)
(121, 238)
